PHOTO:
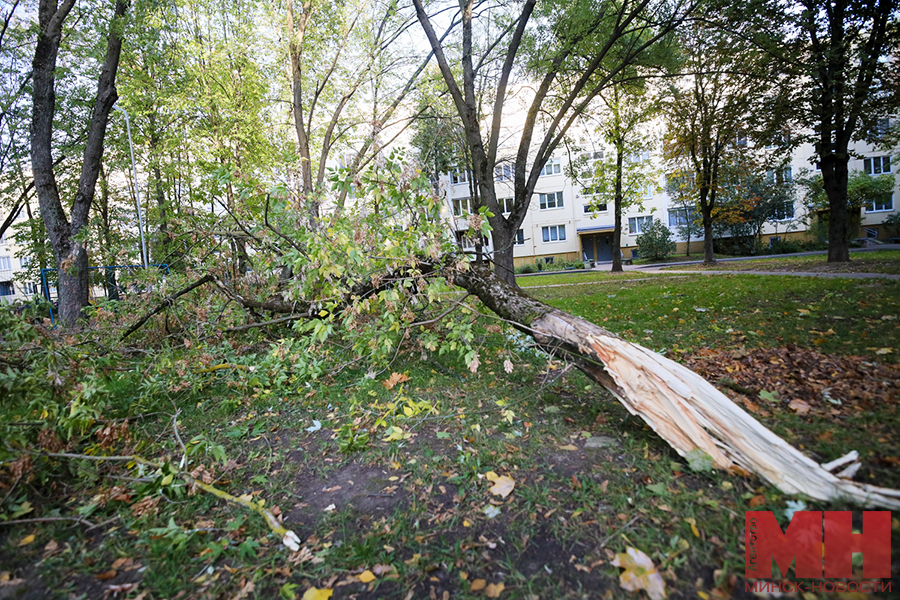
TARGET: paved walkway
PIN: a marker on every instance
(788, 273)
(763, 257)
(668, 268)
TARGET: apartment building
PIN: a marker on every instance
(12, 289)
(566, 221)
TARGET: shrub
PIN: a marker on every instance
(656, 242)
(527, 268)
(785, 247)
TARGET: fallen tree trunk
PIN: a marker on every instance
(683, 408)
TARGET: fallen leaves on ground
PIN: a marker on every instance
(366, 576)
(805, 381)
(494, 589)
(394, 379)
(317, 594)
(640, 573)
(503, 485)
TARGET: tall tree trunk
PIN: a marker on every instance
(112, 288)
(617, 210)
(834, 180)
(300, 124)
(71, 256)
(161, 251)
(706, 207)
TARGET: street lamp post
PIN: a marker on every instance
(136, 193)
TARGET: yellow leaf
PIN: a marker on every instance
(467, 523)
(478, 585)
(883, 351)
(569, 447)
(366, 576)
(503, 485)
(703, 595)
(640, 573)
(493, 590)
(28, 539)
(317, 594)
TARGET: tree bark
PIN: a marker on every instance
(71, 256)
(707, 201)
(617, 209)
(682, 407)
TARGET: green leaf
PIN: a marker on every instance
(769, 396)
(699, 461)
(657, 488)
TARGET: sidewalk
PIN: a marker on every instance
(652, 268)
(787, 273)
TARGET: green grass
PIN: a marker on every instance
(731, 311)
(417, 505)
(578, 278)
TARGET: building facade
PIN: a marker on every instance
(566, 221)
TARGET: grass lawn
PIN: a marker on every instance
(580, 278)
(414, 517)
(875, 261)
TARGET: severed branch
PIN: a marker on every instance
(687, 411)
(288, 537)
(266, 323)
(166, 303)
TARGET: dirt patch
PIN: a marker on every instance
(368, 489)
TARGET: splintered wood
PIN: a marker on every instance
(690, 413)
(683, 408)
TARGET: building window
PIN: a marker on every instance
(506, 205)
(590, 209)
(6, 288)
(785, 175)
(461, 206)
(882, 204)
(637, 225)
(648, 191)
(548, 260)
(881, 127)
(5, 263)
(504, 172)
(877, 165)
(589, 162)
(24, 262)
(551, 200)
(637, 157)
(552, 167)
(784, 211)
(519, 240)
(459, 177)
(678, 217)
(554, 233)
